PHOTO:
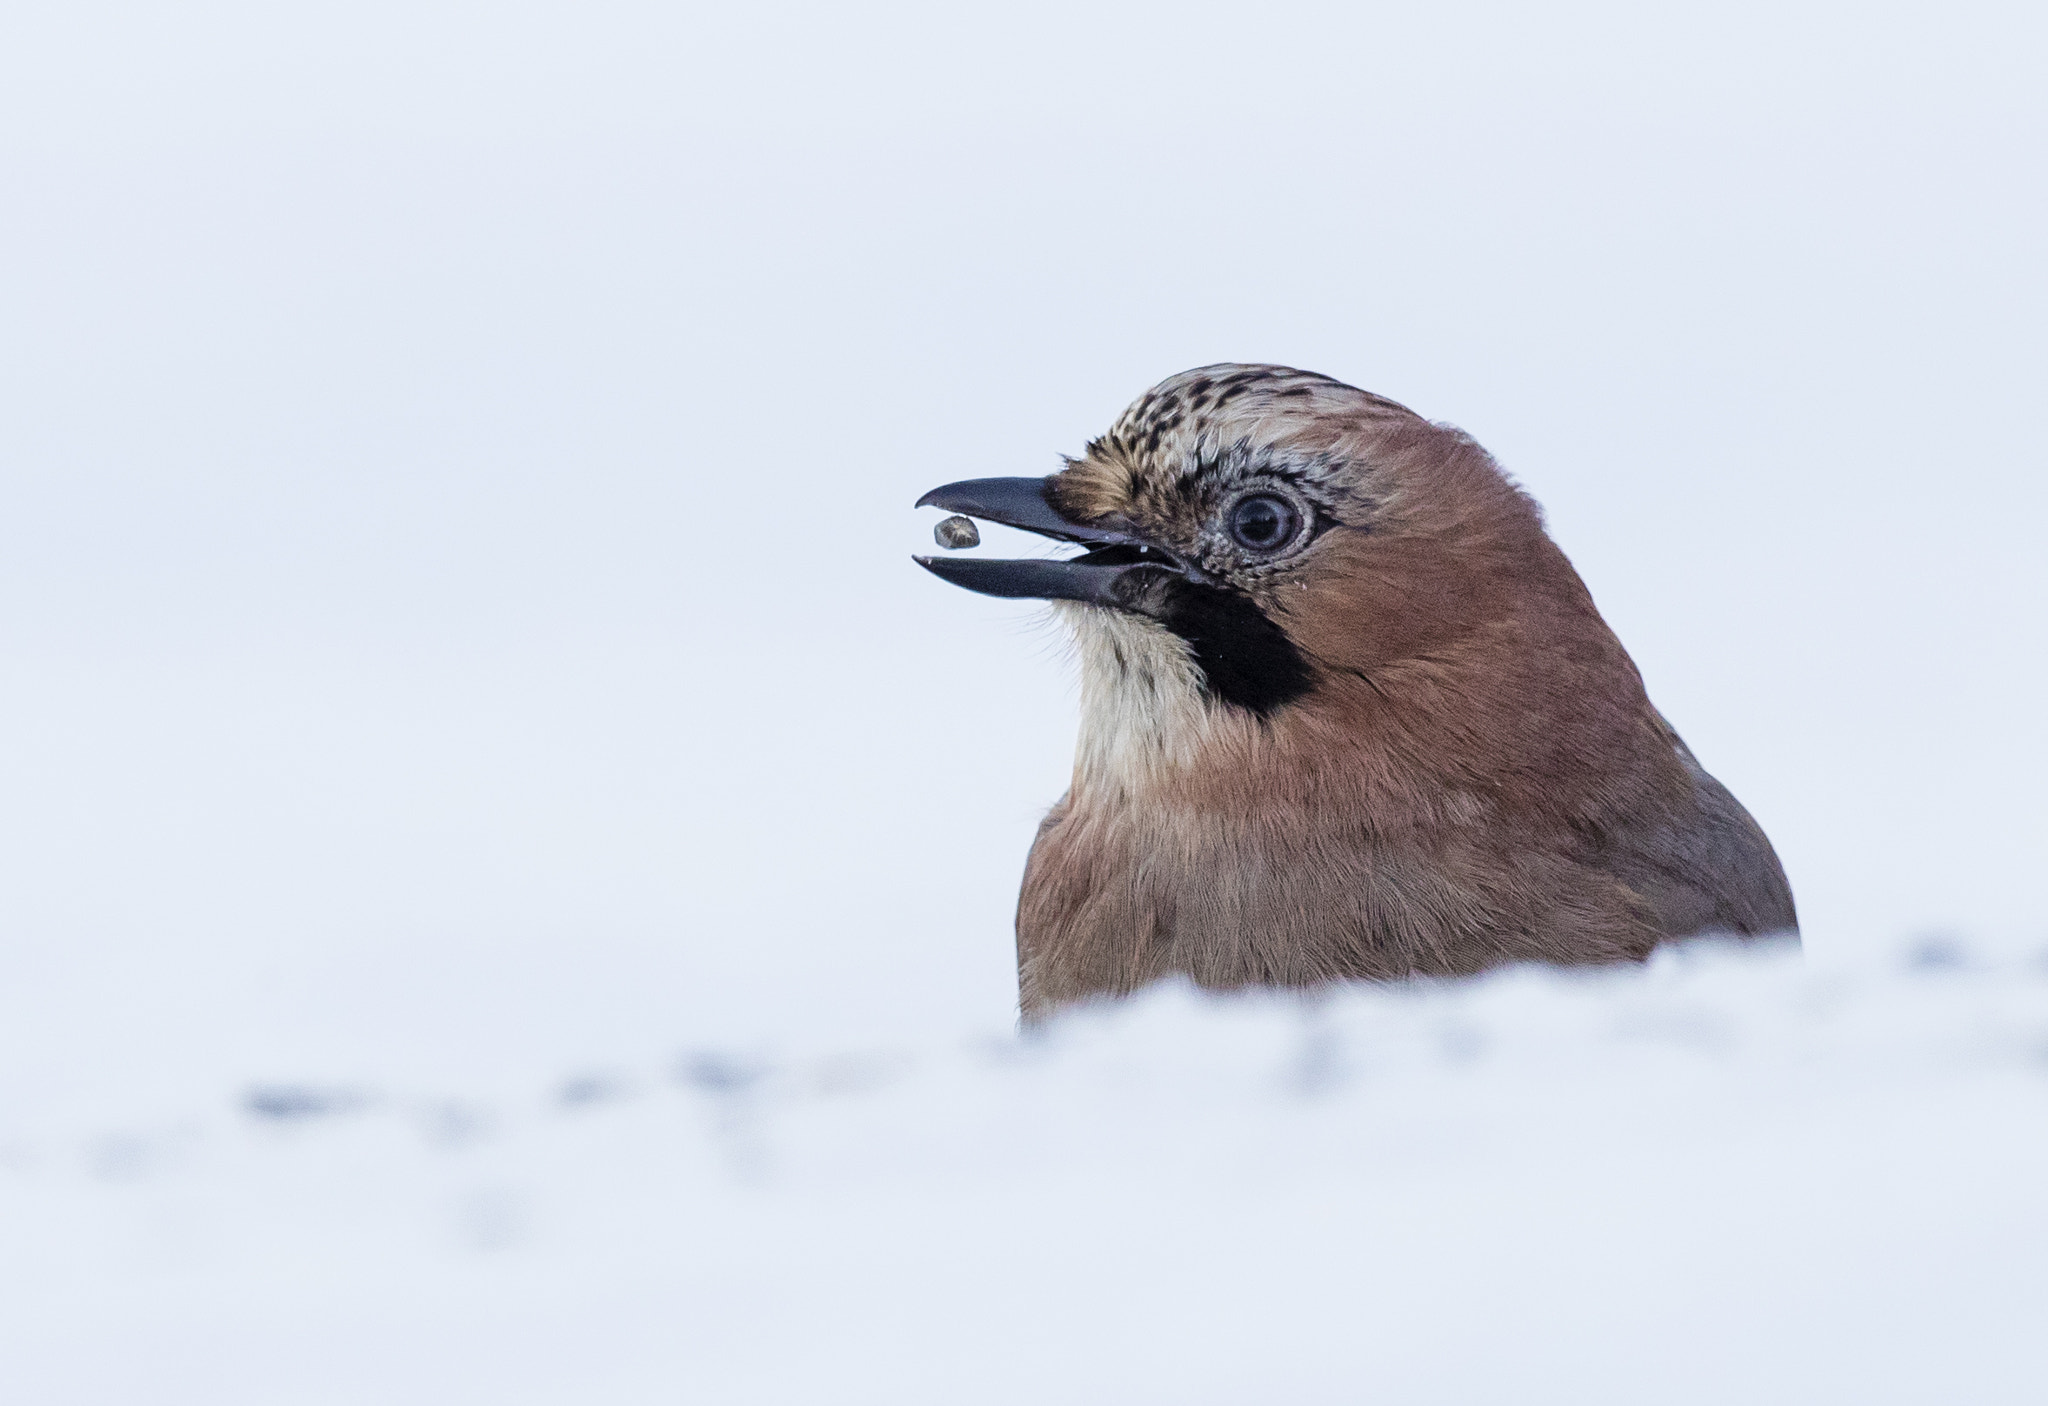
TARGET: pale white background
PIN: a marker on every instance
(455, 467)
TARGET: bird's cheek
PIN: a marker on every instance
(1294, 601)
(1323, 622)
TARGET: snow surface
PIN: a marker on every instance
(1733, 1176)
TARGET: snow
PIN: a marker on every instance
(1734, 1175)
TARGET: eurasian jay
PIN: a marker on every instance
(1347, 712)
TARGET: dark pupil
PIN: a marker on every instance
(1262, 522)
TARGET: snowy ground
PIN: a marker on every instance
(1733, 1177)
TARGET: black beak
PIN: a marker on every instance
(1119, 569)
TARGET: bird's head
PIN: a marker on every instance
(1263, 543)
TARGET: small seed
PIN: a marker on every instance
(956, 533)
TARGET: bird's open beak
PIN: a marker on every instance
(1118, 569)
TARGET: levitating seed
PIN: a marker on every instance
(956, 534)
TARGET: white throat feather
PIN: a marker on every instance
(1144, 709)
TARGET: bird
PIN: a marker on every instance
(1347, 713)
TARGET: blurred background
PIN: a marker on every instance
(456, 465)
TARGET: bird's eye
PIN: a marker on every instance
(1263, 521)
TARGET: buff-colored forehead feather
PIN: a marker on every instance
(1225, 417)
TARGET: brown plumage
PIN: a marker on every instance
(1347, 712)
